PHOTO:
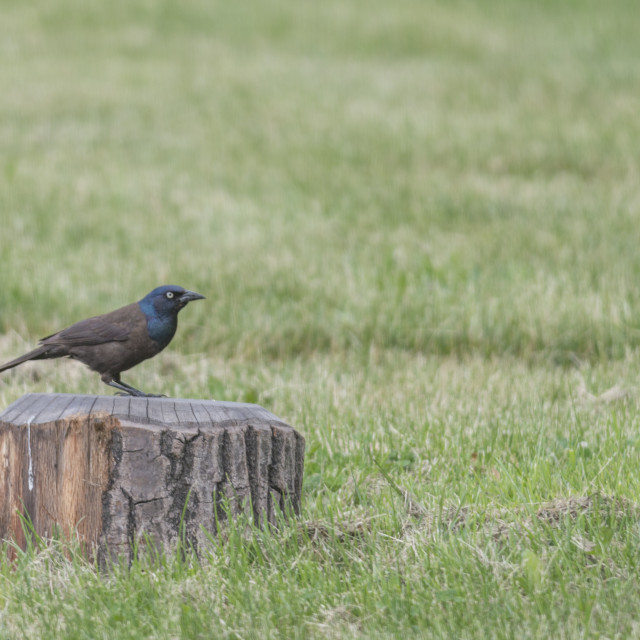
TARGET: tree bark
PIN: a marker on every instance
(123, 471)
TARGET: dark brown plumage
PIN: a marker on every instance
(117, 341)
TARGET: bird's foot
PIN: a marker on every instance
(140, 395)
(127, 390)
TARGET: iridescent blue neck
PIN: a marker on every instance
(161, 326)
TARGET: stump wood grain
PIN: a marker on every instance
(121, 470)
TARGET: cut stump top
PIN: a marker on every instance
(41, 408)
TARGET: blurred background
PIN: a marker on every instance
(445, 178)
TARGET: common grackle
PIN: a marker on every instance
(117, 341)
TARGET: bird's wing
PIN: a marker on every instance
(111, 327)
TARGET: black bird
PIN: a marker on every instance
(117, 341)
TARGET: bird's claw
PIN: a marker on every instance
(140, 395)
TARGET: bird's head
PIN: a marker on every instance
(167, 300)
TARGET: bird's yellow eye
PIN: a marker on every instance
(169, 294)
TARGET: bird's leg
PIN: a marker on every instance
(128, 389)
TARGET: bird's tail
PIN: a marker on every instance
(36, 354)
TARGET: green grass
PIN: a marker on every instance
(416, 227)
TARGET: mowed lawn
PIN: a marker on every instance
(417, 226)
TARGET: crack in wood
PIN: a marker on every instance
(131, 522)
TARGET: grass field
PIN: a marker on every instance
(416, 225)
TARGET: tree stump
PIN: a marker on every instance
(121, 470)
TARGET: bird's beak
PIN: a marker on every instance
(188, 296)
